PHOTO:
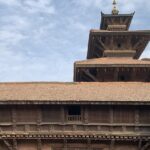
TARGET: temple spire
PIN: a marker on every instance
(115, 11)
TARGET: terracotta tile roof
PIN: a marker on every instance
(114, 91)
(142, 32)
(112, 61)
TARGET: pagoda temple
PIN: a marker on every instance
(107, 107)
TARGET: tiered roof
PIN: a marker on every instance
(55, 93)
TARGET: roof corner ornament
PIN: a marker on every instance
(115, 11)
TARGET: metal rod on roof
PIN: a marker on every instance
(115, 11)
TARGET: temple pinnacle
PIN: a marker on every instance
(115, 11)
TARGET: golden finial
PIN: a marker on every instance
(115, 11)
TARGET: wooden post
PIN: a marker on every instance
(115, 74)
(112, 144)
(136, 119)
(140, 144)
(39, 120)
(88, 144)
(65, 145)
(14, 114)
(86, 115)
(39, 144)
(112, 42)
(63, 114)
(15, 145)
(111, 118)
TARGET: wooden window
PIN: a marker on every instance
(74, 113)
(99, 114)
(144, 115)
(26, 114)
(5, 114)
(51, 114)
(123, 114)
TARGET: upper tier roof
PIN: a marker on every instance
(120, 19)
(138, 40)
(113, 62)
(35, 93)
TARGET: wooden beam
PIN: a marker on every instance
(98, 46)
(145, 147)
(86, 72)
(126, 20)
(97, 54)
(138, 43)
(99, 39)
(9, 146)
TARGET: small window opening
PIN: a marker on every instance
(121, 78)
(119, 45)
(74, 113)
(74, 110)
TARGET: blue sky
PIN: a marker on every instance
(41, 39)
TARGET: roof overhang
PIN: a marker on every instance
(143, 36)
(120, 19)
(75, 93)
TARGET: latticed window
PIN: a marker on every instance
(74, 113)
(123, 115)
(98, 114)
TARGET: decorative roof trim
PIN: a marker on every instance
(128, 137)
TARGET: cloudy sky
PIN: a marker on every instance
(40, 39)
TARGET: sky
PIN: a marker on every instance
(41, 39)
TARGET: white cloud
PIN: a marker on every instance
(14, 22)
(9, 2)
(40, 39)
(106, 5)
(8, 38)
(39, 6)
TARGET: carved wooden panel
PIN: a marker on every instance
(144, 115)
(5, 114)
(99, 114)
(123, 115)
(26, 114)
(51, 114)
